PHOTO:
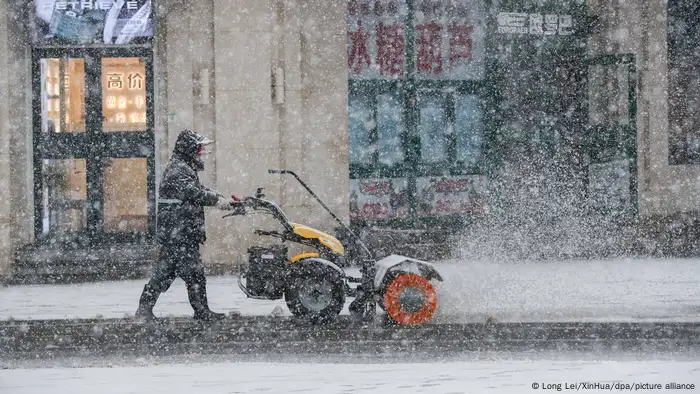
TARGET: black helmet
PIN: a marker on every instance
(190, 146)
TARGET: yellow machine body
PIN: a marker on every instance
(324, 239)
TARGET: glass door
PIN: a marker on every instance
(611, 135)
(93, 146)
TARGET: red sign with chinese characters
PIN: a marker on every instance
(449, 39)
(450, 195)
(376, 38)
(377, 199)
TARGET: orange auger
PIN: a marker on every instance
(398, 286)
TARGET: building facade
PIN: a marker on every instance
(401, 114)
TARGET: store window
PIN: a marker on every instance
(684, 81)
(123, 94)
(416, 71)
(360, 126)
(451, 128)
(433, 128)
(64, 195)
(469, 126)
(95, 141)
(376, 129)
(92, 116)
(390, 129)
(125, 195)
(63, 95)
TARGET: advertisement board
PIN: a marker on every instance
(378, 199)
(376, 38)
(450, 39)
(450, 195)
(92, 22)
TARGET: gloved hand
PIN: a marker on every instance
(226, 204)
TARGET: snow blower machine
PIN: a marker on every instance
(314, 285)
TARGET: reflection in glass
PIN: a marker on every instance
(390, 124)
(608, 95)
(63, 195)
(470, 129)
(125, 195)
(360, 125)
(62, 95)
(123, 94)
(432, 128)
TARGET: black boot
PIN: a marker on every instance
(197, 294)
(149, 297)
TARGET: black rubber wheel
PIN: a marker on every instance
(314, 292)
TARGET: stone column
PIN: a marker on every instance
(247, 139)
(322, 142)
(179, 69)
(5, 198)
(305, 131)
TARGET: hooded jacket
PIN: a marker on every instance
(182, 196)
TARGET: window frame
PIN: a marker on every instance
(94, 146)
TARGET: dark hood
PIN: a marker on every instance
(186, 148)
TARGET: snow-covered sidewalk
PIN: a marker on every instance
(615, 290)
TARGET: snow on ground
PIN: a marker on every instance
(501, 376)
(620, 290)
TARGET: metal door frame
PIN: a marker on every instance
(93, 145)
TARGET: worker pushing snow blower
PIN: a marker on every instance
(314, 285)
(181, 228)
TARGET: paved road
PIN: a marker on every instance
(244, 335)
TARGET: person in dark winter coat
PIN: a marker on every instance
(181, 228)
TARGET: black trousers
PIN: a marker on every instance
(185, 262)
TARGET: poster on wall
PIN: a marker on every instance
(609, 185)
(450, 39)
(376, 38)
(450, 195)
(378, 199)
(92, 22)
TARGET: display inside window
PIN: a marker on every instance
(64, 193)
(123, 94)
(389, 129)
(125, 195)
(376, 129)
(469, 129)
(608, 89)
(360, 126)
(433, 128)
(63, 95)
(451, 128)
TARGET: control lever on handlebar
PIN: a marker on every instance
(263, 232)
(238, 208)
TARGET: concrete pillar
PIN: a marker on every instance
(5, 200)
(247, 139)
(306, 132)
(20, 127)
(179, 66)
(324, 106)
